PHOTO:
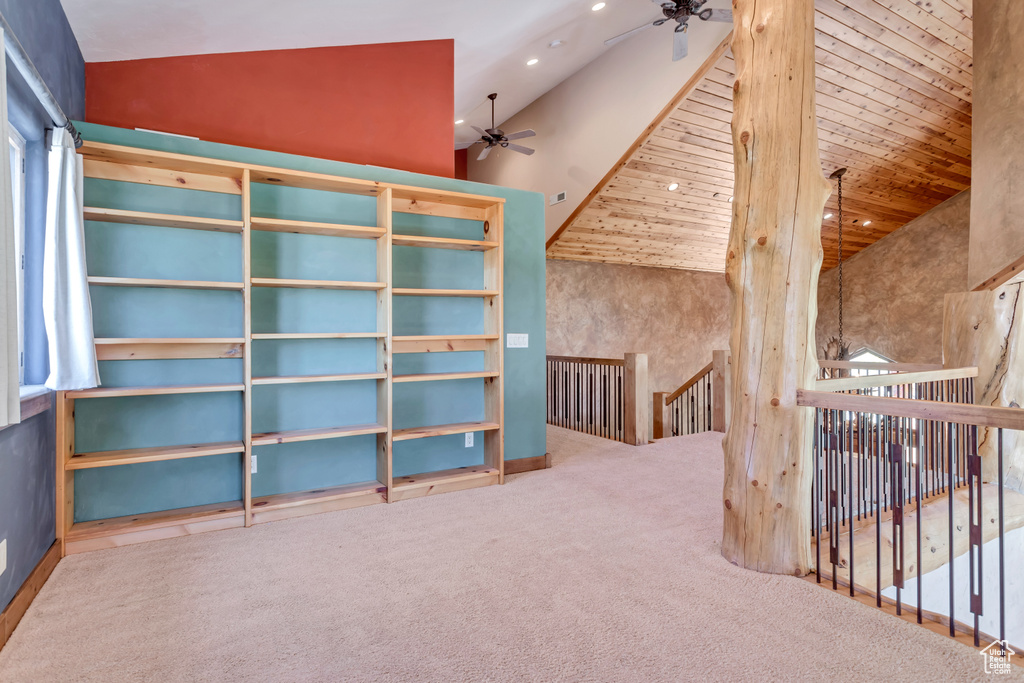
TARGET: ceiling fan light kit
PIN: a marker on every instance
(679, 11)
(495, 137)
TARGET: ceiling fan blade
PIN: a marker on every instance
(519, 148)
(680, 45)
(723, 15)
(521, 134)
(482, 132)
(466, 145)
(622, 36)
(483, 154)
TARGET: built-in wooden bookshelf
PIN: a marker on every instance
(154, 168)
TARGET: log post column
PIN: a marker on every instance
(986, 330)
(774, 256)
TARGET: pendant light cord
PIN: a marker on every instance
(841, 264)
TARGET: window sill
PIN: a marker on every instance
(35, 399)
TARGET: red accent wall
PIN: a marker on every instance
(462, 164)
(388, 105)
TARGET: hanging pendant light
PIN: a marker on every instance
(836, 348)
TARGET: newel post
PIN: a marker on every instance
(720, 378)
(772, 263)
(635, 416)
(662, 419)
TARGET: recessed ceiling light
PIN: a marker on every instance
(556, 43)
(459, 121)
(867, 223)
(673, 187)
(598, 7)
(730, 200)
(827, 215)
(531, 62)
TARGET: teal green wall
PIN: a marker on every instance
(142, 251)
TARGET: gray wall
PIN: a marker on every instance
(26, 450)
(676, 317)
(894, 289)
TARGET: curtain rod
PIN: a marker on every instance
(28, 71)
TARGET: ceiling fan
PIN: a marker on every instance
(495, 137)
(680, 12)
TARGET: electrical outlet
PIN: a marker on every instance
(252, 468)
(517, 341)
(469, 439)
(3, 556)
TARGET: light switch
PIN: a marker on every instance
(517, 341)
(3, 556)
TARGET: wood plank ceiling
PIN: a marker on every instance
(894, 80)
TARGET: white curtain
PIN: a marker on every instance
(67, 310)
(10, 398)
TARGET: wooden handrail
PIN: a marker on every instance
(866, 365)
(893, 379)
(588, 361)
(963, 413)
(690, 382)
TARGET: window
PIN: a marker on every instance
(17, 153)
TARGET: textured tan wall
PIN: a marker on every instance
(676, 317)
(997, 231)
(894, 289)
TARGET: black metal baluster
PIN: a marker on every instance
(974, 520)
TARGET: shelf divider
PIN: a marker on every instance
(311, 228)
(442, 243)
(163, 284)
(443, 430)
(468, 293)
(134, 456)
(315, 284)
(317, 434)
(161, 220)
(305, 379)
(165, 390)
(442, 376)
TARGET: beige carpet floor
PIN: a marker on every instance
(604, 568)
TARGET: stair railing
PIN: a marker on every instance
(605, 397)
(913, 481)
(699, 405)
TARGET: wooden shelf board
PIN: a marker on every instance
(165, 284)
(284, 505)
(162, 220)
(286, 500)
(440, 376)
(312, 228)
(115, 392)
(442, 430)
(84, 461)
(151, 526)
(315, 284)
(134, 156)
(297, 435)
(444, 481)
(314, 181)
(442, 343)
(270, 336)
(442, 243)
(302, 379)
(124, 348)
(408, 291)
(422, 194)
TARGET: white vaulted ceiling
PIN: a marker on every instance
(493, 38)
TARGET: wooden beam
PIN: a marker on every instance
(635, 393)
(893, 379)
(772, 270)
(669, 108)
